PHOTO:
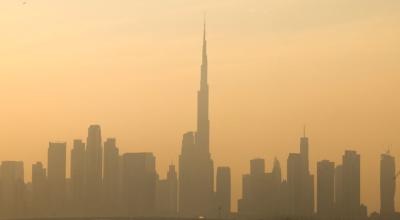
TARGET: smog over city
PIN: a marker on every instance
(201, 109)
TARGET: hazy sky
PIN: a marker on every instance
(134, 66)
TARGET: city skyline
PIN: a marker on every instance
(98, 168)
(328, 138)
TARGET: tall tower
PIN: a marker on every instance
(325, 188)
(139, 179)
(203, 122)
(111, 176)
(78, 176)
(351, 185)
(12, 189)
(93, 177)
(56, 177)
(388, 184)
(39, 190)
(304, 151)
(223, 192)
(196, 168)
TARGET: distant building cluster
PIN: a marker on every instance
(106, 183)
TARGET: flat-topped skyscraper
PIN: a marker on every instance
(196, 168)
(351, 185)
(57, 169)
(388, 184)
(78, 176)
(325, 188)
(111, 176)
(93, 169)
(11, 189)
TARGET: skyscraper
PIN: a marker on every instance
(111, 176)
(39, 190)
(295, 185)
(56, 178)
(257, 167)
(167, 194)
(351, 205)
(93, 169)
(325, 188)
(12, 202)
(338, 189)
(261, 192)
(304, 152)
(78, 176)
(138, 184)
(253, 201)
(196, 168)
(388, 184)
(307, 178)
(300, 182)
(223, 192)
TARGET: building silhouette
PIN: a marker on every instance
(351, 204)
(261, 194)
(106, 184)
(338, 190)
(196, 168)
(167, 194)
(57, 178)
(12, 189)
(93, 170)
(39, 190)
(223, 192)
(111, 177)
(325, 188)
(252, 203)
(300, 182)
(294, 184)
(78, 177)
(307, 178)
(387, 184)
(139, 184)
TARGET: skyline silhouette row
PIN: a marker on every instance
(104, 182)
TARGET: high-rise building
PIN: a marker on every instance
(351, 205)
(252, 190)
(12, 201)
(295, 185)
(56, 178)
(223, 192)
(338, 190)
(93, 170)
(257, 167)
(39, 190)
(78, 176)
(388, 184)
(167, 194)
(111, 176)
(261, 192)
(304, 152)
(300, 182)
(325, 188)
(138, 184)
(307, 178)
(196, 168)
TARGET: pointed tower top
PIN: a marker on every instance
(203, 83)
(204, 24)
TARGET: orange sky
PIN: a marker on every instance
(134, 68)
